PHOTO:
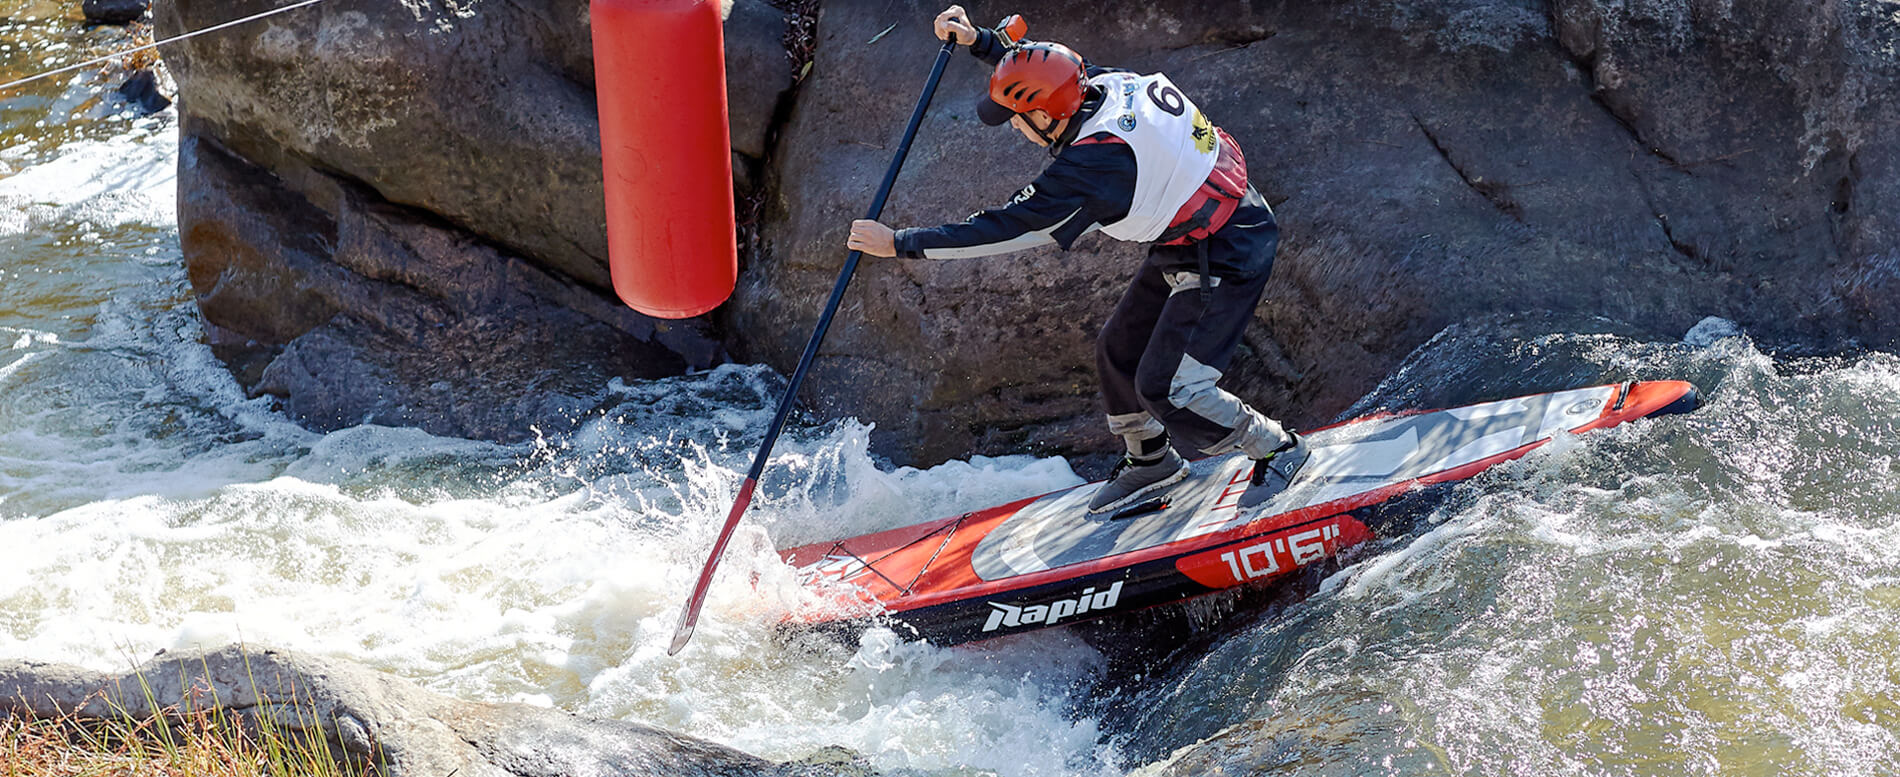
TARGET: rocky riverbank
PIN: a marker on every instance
(381, 721)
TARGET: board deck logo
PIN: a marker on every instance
(1305, 548)
(1048, 614)
(1272, 555)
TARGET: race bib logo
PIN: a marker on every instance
(1203, 133)
(1127, 121)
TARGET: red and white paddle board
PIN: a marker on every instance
(1046, 561)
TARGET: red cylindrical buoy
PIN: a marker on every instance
(660, 79)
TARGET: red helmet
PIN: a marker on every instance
(1048, 76)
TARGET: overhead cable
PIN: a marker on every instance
(156, 44)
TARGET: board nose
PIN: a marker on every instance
(1663, 397)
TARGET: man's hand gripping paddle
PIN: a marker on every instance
(690, 616)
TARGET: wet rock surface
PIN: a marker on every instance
(114, 11)
(354, 311)
(1431, 163)
(143, 93)
(372, 718)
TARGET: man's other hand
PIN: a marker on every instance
(873, 237)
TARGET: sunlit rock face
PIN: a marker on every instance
(393, 212)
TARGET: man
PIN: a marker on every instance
(1134, 158)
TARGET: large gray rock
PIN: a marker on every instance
(393, 212)
(480, 113)
(1431, 162)
(371, 718)
(354, 311)
(758, 73)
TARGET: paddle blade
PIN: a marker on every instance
(689, 617)
(683, 633)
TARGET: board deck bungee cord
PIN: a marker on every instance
(1046, 561)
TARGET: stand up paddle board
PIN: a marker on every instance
(1046, 561)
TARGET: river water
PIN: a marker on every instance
(1716, 593)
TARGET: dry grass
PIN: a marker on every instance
(196, 745)
(190, 746)
(208, 742)
(141, 36)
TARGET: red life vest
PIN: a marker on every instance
(1214, 203)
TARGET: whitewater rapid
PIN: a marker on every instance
(1709, 594)
(147, 504)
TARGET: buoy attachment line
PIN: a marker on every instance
(155, 44)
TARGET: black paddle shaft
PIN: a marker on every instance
(690, 615)
(850, 263)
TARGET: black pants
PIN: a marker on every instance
(1164, 349)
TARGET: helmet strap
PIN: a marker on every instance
(1049, 142)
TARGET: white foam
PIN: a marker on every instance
(1711, 330)
(556, 581)
(906, 705)
(130, 178)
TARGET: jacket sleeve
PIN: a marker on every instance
(987, 48)
(1089, 185)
